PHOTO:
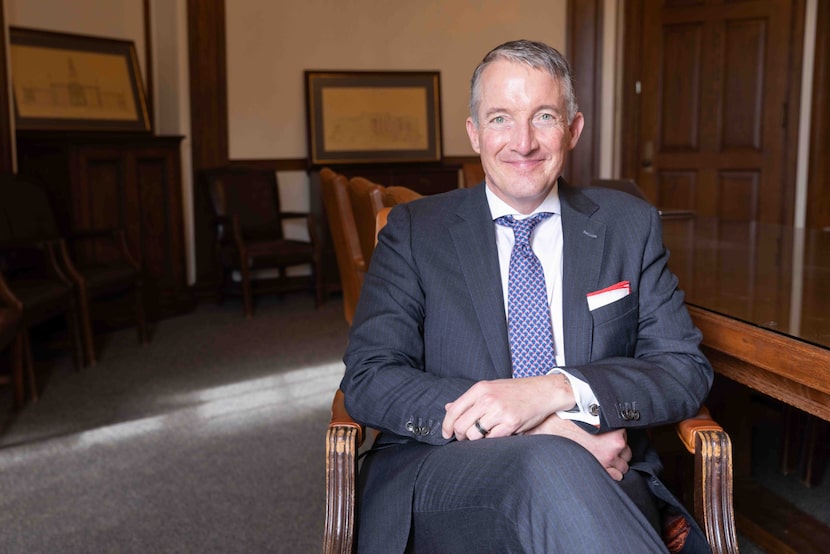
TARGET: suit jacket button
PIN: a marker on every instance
(593, 409)
(635, 415)
(410, 427)
(424, 431)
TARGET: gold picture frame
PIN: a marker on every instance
(373, 116)
(73, 82)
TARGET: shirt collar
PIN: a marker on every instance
(499, 207)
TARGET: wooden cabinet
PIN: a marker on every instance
(131, 181)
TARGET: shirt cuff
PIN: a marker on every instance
(587, 405)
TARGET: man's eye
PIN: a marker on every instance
(546, 119)
(498, 120)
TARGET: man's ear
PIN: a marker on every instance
(576, 129)
(472, 133)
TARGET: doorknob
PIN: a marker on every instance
(648, 155)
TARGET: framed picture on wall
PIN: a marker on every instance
(75, 82)
(373, 116)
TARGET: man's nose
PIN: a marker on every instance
(524, 138)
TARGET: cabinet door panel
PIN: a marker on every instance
(125, 181)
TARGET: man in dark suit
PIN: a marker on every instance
(485, 447)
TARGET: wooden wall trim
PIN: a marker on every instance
(461, 160)
(6, 147)
(301, 164)
(149, 93)
(208, 120)
(285, 164)
(584, 52)
(208, 83)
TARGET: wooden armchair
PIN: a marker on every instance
(11, 339)
(352, 207)
(701, 436)
(367, 199)
(249, 236)
(350, 262)
(97, 262)
(101, 265)
(36, 286)
(473, 173)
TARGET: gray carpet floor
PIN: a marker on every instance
(208, 439)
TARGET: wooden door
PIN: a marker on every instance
(717, 105)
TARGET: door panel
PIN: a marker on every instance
(713, 126)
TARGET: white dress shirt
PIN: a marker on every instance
(546, 242)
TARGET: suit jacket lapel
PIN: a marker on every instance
(474, 241)
(584, 240)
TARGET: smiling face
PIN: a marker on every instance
(523, 135)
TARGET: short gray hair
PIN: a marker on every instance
(538, 56)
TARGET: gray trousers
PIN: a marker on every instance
(535, 494)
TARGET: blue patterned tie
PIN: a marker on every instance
(528, 314)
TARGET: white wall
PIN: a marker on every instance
(270, 44)
(120, 19)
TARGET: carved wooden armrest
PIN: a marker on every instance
(48, 250)
(7, 297)
(712, 449)
(114, 235)
(343, 438)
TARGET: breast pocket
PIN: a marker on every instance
(615, 329)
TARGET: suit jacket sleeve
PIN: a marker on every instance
(643, 360)
(386, 384)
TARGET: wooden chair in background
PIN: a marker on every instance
(394, 195)
(367, 199)
(97, 263)
(11, 340)
(472, 173)
(351, 207)
(35, 280)
(250, 240)
(702, 437)
(347, 249)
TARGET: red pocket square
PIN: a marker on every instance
(600, 298)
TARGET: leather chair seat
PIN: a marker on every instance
(109, 278)
(41, 299)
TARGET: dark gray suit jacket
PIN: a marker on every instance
(430, 323)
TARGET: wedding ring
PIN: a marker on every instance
(481, 429)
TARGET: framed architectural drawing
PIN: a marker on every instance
(373, 116)
(75, 82)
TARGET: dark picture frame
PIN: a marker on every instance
(373, 116)
(71, 82)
